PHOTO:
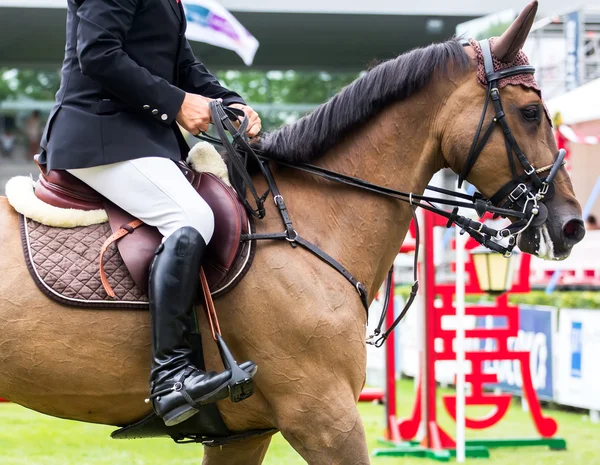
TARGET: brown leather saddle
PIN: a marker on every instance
(227, 258)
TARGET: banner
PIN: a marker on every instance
(578, 376)
(210, 22)
(572, 32)
(537, 326)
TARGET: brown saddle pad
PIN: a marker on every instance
(65, 262)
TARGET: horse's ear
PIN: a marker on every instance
(506, 47)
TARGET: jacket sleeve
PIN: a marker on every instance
(195, 78)
(101, 33)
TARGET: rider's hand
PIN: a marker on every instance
(194, 115)
(254, 123)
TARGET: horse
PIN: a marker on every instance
(296, 317)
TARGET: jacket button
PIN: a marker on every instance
(146, 107)
(155, 112)
(164, 117)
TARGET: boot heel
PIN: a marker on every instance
(241, 385)
(179, 415)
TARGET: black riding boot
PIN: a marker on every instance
(177, 386)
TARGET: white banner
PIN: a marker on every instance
(210, 22)
(578, 376)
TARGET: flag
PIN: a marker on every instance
(210, 22)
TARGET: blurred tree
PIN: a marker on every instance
(285, 87)
(494, 30)
(35, 84)
(278, 87)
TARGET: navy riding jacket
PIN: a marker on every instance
(127, 67)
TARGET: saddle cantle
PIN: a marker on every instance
(227, 257)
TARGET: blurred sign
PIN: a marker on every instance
(536, 329)
(578, 377)
(210, 22)
(572, 78)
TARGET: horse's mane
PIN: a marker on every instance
(391, 81)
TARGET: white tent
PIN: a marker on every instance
(580, 104)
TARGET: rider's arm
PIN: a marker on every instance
(103, 27)
(195, 78)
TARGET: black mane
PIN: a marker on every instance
(394, 80)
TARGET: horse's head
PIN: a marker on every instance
(518, 143)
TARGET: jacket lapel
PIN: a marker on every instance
(176, 8)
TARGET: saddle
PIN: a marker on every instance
(227, 258)
(226, 261)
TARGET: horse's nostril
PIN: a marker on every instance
(574, 230)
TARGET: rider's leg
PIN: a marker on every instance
(155, 191)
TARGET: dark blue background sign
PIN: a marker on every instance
(535, 336)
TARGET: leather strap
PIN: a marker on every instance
(222, 120)
(209, 306)
(486, 51)
(360, 288)
(121, 232)
(280, 203)
(381, 338)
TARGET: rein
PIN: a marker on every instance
(524, 194)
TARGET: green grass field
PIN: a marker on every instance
(29, 438)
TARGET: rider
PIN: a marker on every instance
(128, 76)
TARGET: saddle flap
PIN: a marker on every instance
(137, 249)
(231, 220)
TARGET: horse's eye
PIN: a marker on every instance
(530, 113)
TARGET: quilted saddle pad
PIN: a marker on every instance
(64, 263)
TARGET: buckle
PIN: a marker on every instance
(479, 225)
(531, 171)
(360, 288)
(291, 239)
(518, 192)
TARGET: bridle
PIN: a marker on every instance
(525, 193)
(522, 198)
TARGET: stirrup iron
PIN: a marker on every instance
(241, 385)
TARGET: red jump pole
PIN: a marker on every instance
(392, 432)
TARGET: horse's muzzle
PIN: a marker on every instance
(554, 239)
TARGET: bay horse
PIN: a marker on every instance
(298, 319)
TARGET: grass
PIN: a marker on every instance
(29, 438)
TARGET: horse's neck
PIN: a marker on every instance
(362, 230)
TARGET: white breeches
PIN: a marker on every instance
(155, 191)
